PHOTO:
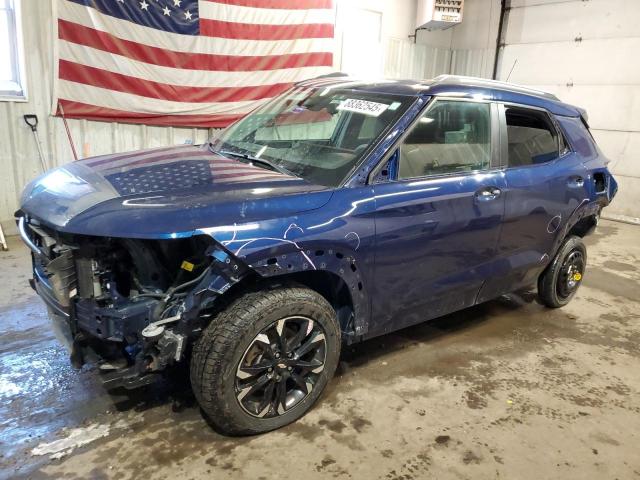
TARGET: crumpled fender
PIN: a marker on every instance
(320, 240)
(588, 207)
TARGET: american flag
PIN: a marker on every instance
(175, 168)
(199, 63)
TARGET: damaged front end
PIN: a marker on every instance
(132, 306)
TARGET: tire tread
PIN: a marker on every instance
(547, 280)
(215, 348)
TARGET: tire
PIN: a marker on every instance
(276, 317)
(560, 281)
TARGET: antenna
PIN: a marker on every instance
(514, 66)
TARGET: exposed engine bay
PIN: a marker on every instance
(130, 305)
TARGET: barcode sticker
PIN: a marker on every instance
(362, 106)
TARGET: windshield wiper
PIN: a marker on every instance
(258, 161)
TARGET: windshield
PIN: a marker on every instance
(318, 134)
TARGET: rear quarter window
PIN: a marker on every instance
(579, 136)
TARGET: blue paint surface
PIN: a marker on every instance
(166, 15)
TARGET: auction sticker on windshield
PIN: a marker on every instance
(362, 106)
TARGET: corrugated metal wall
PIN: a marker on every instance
(585, 52)
(405, 59)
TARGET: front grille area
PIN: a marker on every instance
(61, 272)
(55, 265)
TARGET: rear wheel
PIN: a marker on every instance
(560, 281)
(264, 361)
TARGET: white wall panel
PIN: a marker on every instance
(479, 27)
(586, 53)
(566, 21)
(625, 205)
(537, 3)
(621, 148)
(610, 107)
(591, 62)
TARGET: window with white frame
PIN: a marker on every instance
(12, 74)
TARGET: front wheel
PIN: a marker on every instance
(264, 361)
(560, 281)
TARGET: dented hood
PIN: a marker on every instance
(164, 193)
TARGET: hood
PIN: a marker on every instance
(164, 193)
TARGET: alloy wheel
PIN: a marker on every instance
(281, 366)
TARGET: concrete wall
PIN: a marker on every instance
(585, 52)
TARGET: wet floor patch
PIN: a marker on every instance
(40, 393)
(478, 394)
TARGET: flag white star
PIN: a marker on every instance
(166, 11)
(144, 5)
(187, 15)
(120, 1)
(176, 3)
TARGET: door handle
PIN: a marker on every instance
(488, 193)
(575, 182)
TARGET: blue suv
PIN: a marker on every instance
(338, 211)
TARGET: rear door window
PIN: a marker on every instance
(531, 136)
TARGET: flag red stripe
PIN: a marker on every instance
(280, 4)
(188, 155)
(159, 154)
(107, 164)
(254, 31)
(79, 34)
(97, 77)
(91, 112)
(109, 158)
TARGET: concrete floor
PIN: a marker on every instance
(508, 389)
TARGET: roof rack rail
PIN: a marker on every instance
(495, 84)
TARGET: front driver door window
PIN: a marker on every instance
(437, 223)
(452, 137)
